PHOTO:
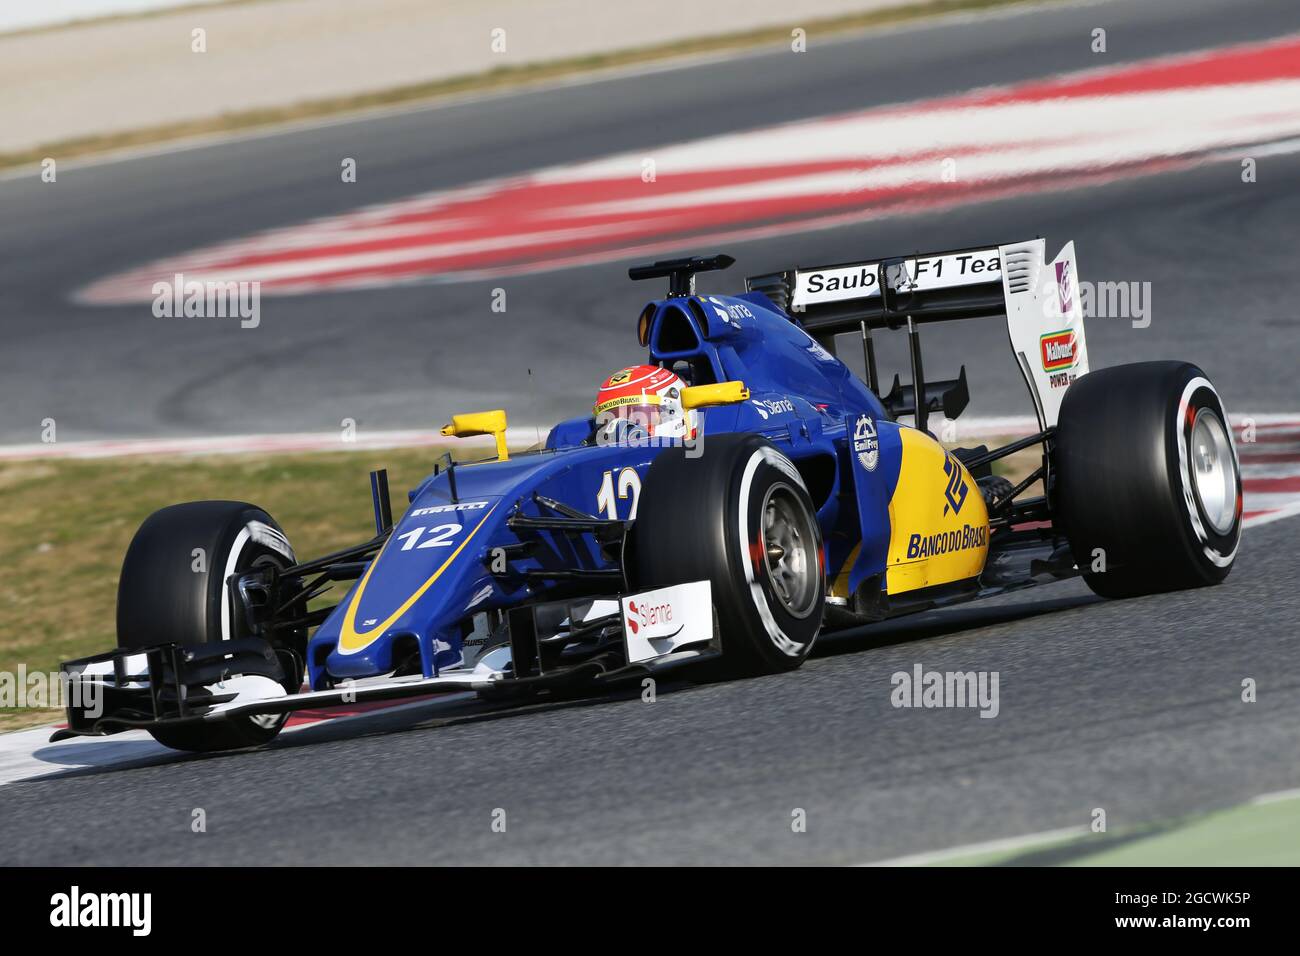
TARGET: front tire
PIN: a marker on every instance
(174, 588)
(739, 516)
(1148, 484)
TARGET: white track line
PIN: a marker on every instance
(1290, 511)
(279, 442)
(269, 444)
(1005, 845)
(1032, 840)
(28, 754)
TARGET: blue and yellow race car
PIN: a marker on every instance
(729, 499)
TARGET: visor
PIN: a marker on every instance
(643, 414)
(614, 406)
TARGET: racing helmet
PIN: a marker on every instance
(644, 397)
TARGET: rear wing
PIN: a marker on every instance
(1038, 300)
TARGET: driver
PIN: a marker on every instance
(643, 401)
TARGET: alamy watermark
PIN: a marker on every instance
(208, 299)
(40, 691)
(634, 428)
(931, 689)
(1117, 300)
(77, 908)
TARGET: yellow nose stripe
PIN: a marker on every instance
(350, 639)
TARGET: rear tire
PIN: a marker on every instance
(173, 589)
(724, 516)
(1147, 479)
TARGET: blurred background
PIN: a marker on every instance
(381, 175)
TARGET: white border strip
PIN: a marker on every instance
(1006, 844)
(27, 754)
(279, 442)
(253, 444)
(1047, 836)
(1290, 511)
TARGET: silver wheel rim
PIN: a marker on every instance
(790, 551)
(1214, 473)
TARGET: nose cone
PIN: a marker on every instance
(414, 589)
(375, 658)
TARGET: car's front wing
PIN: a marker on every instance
(171, 684)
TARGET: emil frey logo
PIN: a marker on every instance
(865, 443)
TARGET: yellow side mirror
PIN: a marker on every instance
(481, 423)
(724, 393)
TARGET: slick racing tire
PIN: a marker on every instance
(174, 589)
(737, 513)
(1148, 485)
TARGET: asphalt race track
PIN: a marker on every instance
(1131, 706)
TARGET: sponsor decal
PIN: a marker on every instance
(946, 542)
(866, 444)
(818, 352)
(480, 596)
(731, 312)
(659, 622)
(1058, 350)
(643, 398)
(898, 279)
(1065, 287)
(859, 281)
(824, 284)
(269, 537)
(655, 617)
(443, 509)
(772, 406)
(618, 378)
(955, 492)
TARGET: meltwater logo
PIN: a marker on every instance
(76, 909)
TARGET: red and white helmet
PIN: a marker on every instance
(648, 397)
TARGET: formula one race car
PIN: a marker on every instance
(731, 499)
